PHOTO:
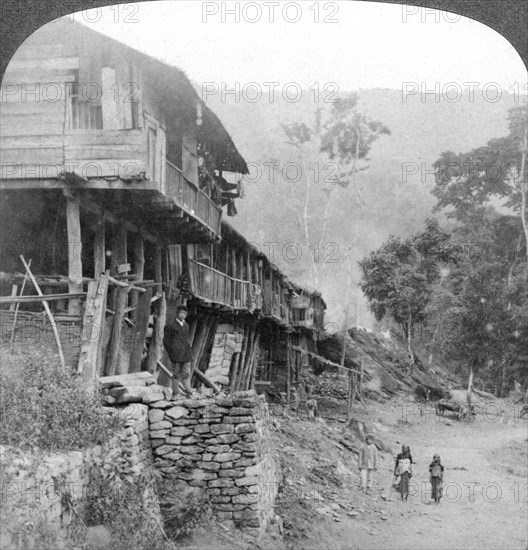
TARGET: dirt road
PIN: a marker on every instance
(485, 500)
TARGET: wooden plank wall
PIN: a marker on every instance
(33, 110)
(106, 153)
(34, 121)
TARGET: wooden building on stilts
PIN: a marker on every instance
(114, 178)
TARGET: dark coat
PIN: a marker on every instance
(176, 342)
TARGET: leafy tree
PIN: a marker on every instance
(344, 136)
(398, 278)
(472, 183)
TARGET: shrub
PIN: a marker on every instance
(44, 405)
(123, 504)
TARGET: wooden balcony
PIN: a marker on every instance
(302, 317)
(213, 286)
(191, 199)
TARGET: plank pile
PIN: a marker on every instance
(137, 387)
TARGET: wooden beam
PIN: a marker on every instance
(122, 284)
(140, 331)
(156, 343)
(41, 298)
(73, 222)
(324, 359)
(143, 185)
(139, 266)
(90, 358)
(115, 338)
(48, 312)
(132, 379)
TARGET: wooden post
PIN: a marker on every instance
(100, 249)
(89, 365)
(239, 362)
(192, 330)
(73, 222)
(241, 385)
(158, 271)
(248, 267)
(14, 290)
(139, 268)
(254, 362)
(156, 343)
(115, 338)
(48, 311)
(199, 336)
(140, 330)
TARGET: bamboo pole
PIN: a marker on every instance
(48, 312)
(12, 339)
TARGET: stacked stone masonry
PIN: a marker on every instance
(227, 341)
(43, 480)
(221, 445)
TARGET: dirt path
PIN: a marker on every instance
(485, 488)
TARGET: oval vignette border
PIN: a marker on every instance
(20, 18)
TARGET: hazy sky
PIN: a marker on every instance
(369, 45)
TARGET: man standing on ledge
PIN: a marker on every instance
(176, 342)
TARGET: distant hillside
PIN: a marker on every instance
(394, 202)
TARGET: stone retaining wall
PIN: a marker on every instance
(38, 484)
(222, 445)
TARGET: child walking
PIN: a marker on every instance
(436, 477)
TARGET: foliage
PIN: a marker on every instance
(398, 278)
(183, 507)
(121, 502)
(480, 310)
(348, 134)
(341, 137)
(468, 182)
(44, 405)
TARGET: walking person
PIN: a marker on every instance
(403, 470)
(436, 477)
(177, 343)
(368, 464)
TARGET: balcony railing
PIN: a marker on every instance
(193, 200)
(210, 284)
